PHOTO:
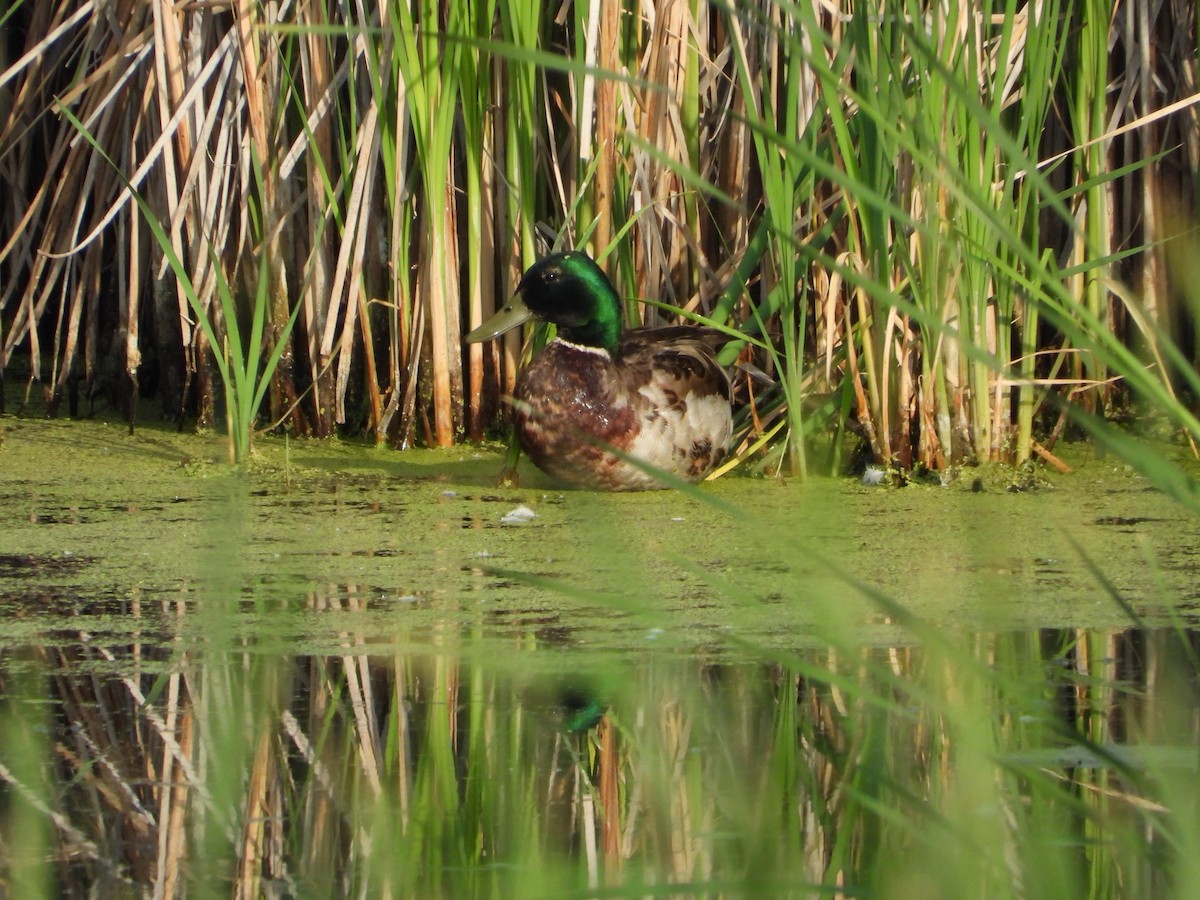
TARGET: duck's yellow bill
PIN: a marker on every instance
(514, 313)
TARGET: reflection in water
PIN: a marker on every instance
(186, 755)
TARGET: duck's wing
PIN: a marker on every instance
(677, 359)
(665, 336)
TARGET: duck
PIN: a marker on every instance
(604, 408)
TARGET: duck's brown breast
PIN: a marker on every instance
(569, 407)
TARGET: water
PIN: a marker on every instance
(351, 671)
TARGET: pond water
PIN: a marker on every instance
(345, 670)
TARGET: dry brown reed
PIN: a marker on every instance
(409, 155)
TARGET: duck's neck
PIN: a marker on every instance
(602, 330)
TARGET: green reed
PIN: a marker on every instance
(952, 253)
(917, 206)
(785, 179)
(431, 71)
(246, 345)
(27, 825)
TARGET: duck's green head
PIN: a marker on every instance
(571, 291)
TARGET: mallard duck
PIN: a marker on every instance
(656, 394)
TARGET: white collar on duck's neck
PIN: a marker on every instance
(598, 351)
